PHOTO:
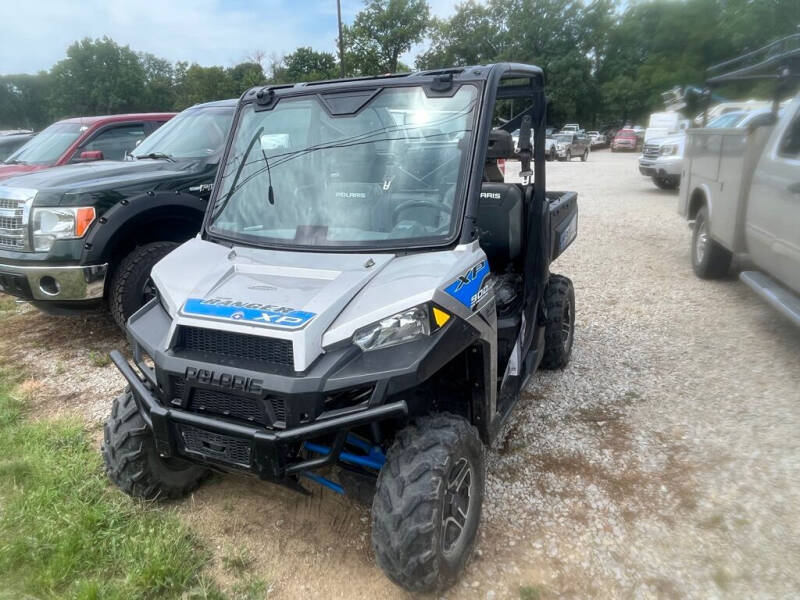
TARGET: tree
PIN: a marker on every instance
(305, 64)
(246, 75)
(472, 36)
(197, 84)
(96, 77)
(159, 77)
(383, 31)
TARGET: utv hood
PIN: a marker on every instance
(313, 299)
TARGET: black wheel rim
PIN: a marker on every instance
(456, 505)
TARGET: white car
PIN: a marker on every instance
(550, 146)
(596, 138)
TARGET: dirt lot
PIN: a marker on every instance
(664, 462)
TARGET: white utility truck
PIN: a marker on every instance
(740, 188)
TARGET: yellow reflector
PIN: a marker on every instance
(440, 316)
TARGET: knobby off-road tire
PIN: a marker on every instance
(709, 259)
(559, 328)
(127, 291)
(435, 467)
(131, 460)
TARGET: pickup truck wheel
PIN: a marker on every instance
(552, 155)
(427, 508)
(131, 460)
(709, 259)
(585, 156)
(131, 285)
(559, 325)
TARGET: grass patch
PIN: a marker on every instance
(99, 359)
(64, 532)
(7, 303)
(237, 560)
(531, 592)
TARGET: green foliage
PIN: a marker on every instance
(606, 61)
(305, 64)
(64, 532)
(383, 31)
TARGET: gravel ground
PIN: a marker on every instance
(662, 463)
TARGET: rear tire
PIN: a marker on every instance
(585, 156)
(131, 460)
(128, 288)
(559, 329)
(427, 508)
(709, 259)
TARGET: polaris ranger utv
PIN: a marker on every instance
(364, 304)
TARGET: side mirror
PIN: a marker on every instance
(90, 155)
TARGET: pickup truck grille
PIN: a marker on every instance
(651, 150)
(12, 228)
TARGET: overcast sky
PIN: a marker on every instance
(209, 32)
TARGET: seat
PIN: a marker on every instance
(500, 223)
(501, 146)
(500, 207)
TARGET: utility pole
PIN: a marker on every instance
(341, 40)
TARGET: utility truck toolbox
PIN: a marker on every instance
(362, 308)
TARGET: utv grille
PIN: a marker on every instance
(216, 446)
(213, 402)
(236, 345)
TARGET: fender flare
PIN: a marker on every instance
(115, 219)
(706, 193)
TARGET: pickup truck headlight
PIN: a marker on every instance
(400, 328)
(59, 223)
(669, 149)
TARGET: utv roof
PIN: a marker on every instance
(441, 76)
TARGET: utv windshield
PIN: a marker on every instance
(384, 176)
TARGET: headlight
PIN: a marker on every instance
(57, 223)
(400, 328)
(669, 149)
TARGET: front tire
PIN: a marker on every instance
(552, 156)
(130, 285)
(585, 156)
(559, 327)
(427, 508)
(131, 460)
(709, 259)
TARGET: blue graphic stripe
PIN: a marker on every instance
(291, 319)
(465, 288)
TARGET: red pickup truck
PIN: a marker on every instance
(82, 139)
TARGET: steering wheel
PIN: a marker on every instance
(438, 206)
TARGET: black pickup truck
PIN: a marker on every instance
(75, 236)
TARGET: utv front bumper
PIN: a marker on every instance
(237, 414)
(257, 449)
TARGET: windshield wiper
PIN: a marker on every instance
(218, 209)
(155, 155)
